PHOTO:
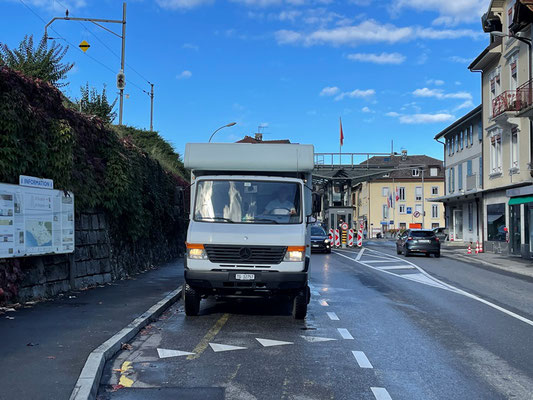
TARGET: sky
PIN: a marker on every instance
(391, 69)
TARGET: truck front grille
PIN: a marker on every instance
(232, 254)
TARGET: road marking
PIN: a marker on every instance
(359, 255)
(442, 285)
(332, 316)
(380, 393)
(315, 293)
(270, 342)
(324, 303)
(124, 380)
(362, 360)
(344, 333)
(224, 347)
(165, 353)
(379, 261)
(314, 339)
(210, 335)
(388, 267)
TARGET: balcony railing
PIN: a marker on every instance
(513, 100)
(524, 95)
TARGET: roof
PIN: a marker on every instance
(464, 118)
(487, 56)
(249, 139)
(401, 169)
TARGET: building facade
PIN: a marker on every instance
(463, 164)
(507, 143)
(402, 197)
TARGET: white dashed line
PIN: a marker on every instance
(379, 261)
(362, 360)
(332, 316)
(360, 254)
(315, 293)
(324, 303)
(380, 393)
(388, 267)
(344, 333)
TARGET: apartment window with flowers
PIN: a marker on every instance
(495, 151)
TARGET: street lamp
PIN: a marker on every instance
(225, 126)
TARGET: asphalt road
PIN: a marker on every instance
(378, 327)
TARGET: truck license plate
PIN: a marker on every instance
(245, 277)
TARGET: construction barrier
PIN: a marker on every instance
(331, 236)
(360, 238)
(350, 237)
(337, 238)
(344, 238)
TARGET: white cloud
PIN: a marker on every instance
(460, 60)
(436, 82)
(357, 93)
(369, 31)
(451, 12)
(465, 104)
(392, 114)
(383, 58)
(258, 3)
(181, 4)
(425, 118)
(440, 94)
(184, 75)
(190, 46)
(329, 91)
(54, 6)
(366, 110)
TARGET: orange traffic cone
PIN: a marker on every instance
(469, 251)
(481, 247)
(477, 247)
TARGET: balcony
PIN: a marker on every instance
(525, 99)
(505, 108)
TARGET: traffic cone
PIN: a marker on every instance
(481, 247)
(469, 251)
(477, 247)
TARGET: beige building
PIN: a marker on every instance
(507, 144)
(402, 197)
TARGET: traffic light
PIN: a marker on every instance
(121, 80)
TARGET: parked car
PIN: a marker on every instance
(418, 241)
(441, 233)
(320, 240)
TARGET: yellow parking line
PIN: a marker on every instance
(202, 345)
(124, 380)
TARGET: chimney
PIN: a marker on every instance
(404, 155)
(259, 137)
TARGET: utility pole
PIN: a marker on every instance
(123, 37)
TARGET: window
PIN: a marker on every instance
(402, 208)
(403, 226)
(495, 151)
(480, 131)
(433, 171)
(450, 181)
(471, 131)
(416, 172)
(469, 168)
(496, 222)
(434, 190)
(462, 140)
(418, 207)
(434, 211)
(460, 177)
(449, 146)
(401, 194)
(385, 191)
(385, 212)
(457, 143)
(514, 148)
(513, 72)
(418, 193)
(480, 180)
(509, 19)
(494, 78)
(453, 144)
(470, 217)
(453, 179)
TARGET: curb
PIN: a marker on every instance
(488, 264)
(86, 387)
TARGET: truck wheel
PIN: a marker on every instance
(308, 291)
(299, 306)
(191, 299)
(437, 255)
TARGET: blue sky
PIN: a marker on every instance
(393, 70)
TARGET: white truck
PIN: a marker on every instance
(249, 232)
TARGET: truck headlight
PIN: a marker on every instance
(196, 251)
(295, 253)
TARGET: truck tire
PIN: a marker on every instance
(191, 298)
(308, 291)
(299, 305)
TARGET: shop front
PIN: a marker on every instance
(520, 234)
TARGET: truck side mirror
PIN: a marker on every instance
(316, 203)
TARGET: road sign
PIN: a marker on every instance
(416, 214)
(344, 226)
(84, 46)
(121, 80)
(409, 210)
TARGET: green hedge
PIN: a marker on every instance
(133, 175)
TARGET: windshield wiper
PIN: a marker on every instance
(217, 219)
(264, 220)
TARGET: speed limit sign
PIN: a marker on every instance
(416, 214)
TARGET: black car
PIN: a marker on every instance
(441, 233)
(418, 241)
(320, 240)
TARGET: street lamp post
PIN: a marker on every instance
(225, 126)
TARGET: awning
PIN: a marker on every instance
(520, 200)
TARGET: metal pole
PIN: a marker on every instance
(122, 57)
(423, 200)
(152, 107)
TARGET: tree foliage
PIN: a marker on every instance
(94, 103)
(37, 62)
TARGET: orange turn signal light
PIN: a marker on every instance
(194, 245)
(296, 248)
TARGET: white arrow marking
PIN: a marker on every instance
(313, 339)
(224, 347)
(269, 342)
(164, 353)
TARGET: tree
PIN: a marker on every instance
(94, 103)
(41, 62)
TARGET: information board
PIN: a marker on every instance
(35, 221)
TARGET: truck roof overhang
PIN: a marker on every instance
(249, 157)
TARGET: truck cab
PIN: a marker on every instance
(248, 232)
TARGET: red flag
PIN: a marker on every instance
(397, 195)
(342, 135)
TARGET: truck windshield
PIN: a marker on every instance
(248, 202)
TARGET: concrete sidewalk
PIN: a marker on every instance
(44, 348)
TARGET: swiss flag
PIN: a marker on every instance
(342, 134)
